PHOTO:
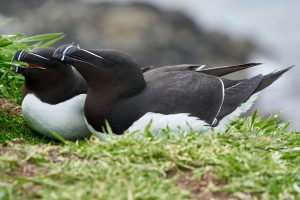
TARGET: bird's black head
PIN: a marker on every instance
(104, 67)
(44, 75)
(40, 63)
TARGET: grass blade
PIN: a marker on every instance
(42, 37)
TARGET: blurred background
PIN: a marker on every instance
(165, 32)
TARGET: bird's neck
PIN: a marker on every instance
(55, 91)
(101, 101)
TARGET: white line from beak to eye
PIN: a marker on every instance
(39, 56)
(64, 52)
(19, 57)
(92, 54)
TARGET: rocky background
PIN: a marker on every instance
(152, 35)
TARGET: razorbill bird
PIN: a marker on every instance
(182, 97)
(53, 95)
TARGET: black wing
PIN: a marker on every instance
(215, 71)
(238, 94)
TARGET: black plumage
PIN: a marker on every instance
(119, 92)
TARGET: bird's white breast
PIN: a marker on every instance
(65, 118)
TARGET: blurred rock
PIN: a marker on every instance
(151, 35)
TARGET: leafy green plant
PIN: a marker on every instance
(10, 83)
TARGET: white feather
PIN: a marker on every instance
(174, 122)
(66, 118)
(223, 96)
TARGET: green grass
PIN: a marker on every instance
(13, 126)
(255, 158)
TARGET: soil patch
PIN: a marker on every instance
(199, 188)
(9, 106)
(28, 169)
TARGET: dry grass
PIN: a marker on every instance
(9, 106)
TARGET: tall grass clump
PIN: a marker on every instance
(11, 83)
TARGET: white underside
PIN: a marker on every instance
(65, 119)
(181, 122)
(174, 122)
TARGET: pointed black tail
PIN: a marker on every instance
(270, 78)
(224, 70)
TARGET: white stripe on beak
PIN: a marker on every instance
(64, 52)
(19, 57)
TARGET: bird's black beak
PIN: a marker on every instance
(18, 69)
(73, 55)
(24, 56)
(19, 55)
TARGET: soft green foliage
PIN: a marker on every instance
(255, 158)
(10, 83)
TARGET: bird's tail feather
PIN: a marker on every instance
(270, 78)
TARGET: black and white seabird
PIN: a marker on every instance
(53, 95)
(184, 96)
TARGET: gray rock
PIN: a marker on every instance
(151, 35)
